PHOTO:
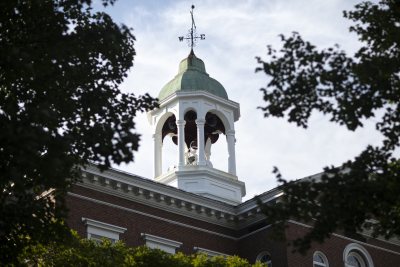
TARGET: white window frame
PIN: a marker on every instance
(209, 253)
(324, 258)
(156, 242)
(97, 230)
(357, 250)
(262, 254)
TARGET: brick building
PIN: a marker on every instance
(193, 207)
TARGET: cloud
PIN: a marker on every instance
(236, 32)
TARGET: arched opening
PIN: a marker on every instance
(355, 255)
(170, 129)
(191, 153)
(215, 142)
(320, 260)
(169, 137)
(215, 146)
(190, 128)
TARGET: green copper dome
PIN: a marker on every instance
(192, 76)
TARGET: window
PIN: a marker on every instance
(355, 260)
(320, 260)
(164, 244)
(355, 255)
(98, 230)
(265, 257)
(209, 253)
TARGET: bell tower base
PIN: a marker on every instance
(206, 181)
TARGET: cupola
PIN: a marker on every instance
(195, 112)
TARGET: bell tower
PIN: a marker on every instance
(196, 113)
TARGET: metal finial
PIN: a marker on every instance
(192, 36)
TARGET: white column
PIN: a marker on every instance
(207, 149)
(157, 154)
(181, 142)
(200, 141)
(230, 139)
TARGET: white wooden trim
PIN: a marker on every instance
(164, 244)
(359, 250)
(209, 253)
(101, 229)
(320, 253)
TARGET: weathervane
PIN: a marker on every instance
(192, 36)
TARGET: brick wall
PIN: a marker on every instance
(334, 247)
(250, 246)
(171, 226)
(248, 243)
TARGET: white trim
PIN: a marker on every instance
(96, 229)
(161, 240)
(156, 187)
(152, 216)
(209, 253)
(105, 226)
(354, 247)
(324, 258)
(168, 207)
(129, 184)
(164, 244)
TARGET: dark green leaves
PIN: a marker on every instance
(364, 193)
(61, 65)
(82, 252)
(305, 79)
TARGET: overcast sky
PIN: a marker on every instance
(236, 32)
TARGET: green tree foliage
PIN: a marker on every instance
(61, 65)
(365, 192)
(84, 252)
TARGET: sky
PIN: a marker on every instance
(236, 32)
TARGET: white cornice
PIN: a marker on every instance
(189, 210)
(161, 240)
(146, 184)
(171, 199)
(160, 196)
(210, 253)
(105, 226)
(151, 216)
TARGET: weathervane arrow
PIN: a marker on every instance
(192, 36)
